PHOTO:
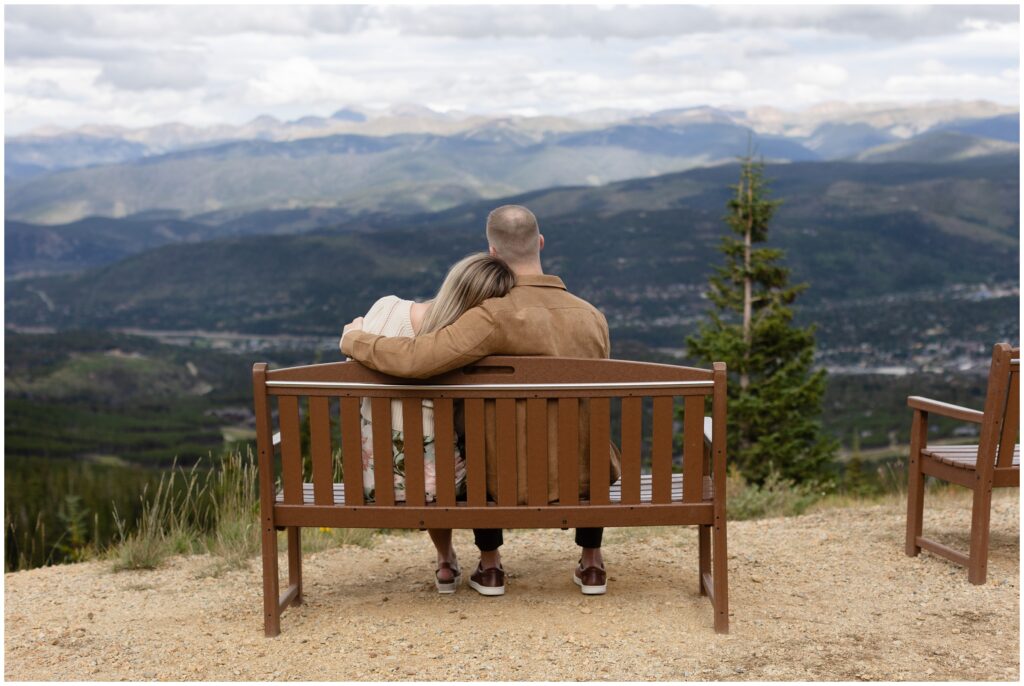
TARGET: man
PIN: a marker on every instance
(537, 317)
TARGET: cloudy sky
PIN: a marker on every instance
(138, 66)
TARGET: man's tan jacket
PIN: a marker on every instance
(537, 317)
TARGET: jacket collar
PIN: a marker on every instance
(543, 280)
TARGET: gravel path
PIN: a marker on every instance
(825, 596)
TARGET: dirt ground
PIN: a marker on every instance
(824, 596)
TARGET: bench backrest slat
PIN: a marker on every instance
(351, 451)
(1011, 419)
(444, 451)
(383, 474)
(1000, 425)
(476, 469)
(661, 451)
(537, 451)
(320, 450)
(632, 441)
(412, 433)
(505, 411)
(568, 450)
(291, 449)
(600, 440)
(693, 449)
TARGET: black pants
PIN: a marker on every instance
(491, 539)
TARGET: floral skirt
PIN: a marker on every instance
(398, 465)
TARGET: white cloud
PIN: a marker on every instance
(301, 79)
(176, 70)
(735, 45)
(731, 80)
(823, 74)
(178, 22)
(946, 85)
(478, 21)
(134, 66)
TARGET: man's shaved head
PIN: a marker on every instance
(513, 232)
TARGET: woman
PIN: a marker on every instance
(469, 282)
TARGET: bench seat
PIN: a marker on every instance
(962, 456)
(614, 491)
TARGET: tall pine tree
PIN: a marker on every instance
(774, 396)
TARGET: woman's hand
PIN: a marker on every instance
(354, 325)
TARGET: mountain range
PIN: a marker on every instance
(904, 220)
(880, 244)
(891, 120)
(411, 159)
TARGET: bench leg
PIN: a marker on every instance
(704, 556)
(271, 583)
(981, 510)
(295, 562)
(720, 574)
(915, 506)
(915, 487)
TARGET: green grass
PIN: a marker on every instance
(235, 532)
(172, 522)
(316, 539)
(214, 512)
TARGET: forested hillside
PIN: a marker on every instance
(885, 247)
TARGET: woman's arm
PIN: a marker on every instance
(474, 335)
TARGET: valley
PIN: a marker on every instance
(147, 270)
(873, 243)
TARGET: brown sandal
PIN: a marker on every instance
(446, 587)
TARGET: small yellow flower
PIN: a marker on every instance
(324, 529)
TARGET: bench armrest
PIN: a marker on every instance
(945, 409)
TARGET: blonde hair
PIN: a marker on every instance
(513, 232)
(469, 282)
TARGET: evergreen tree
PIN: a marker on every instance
(774, 397)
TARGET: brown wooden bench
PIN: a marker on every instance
(993, 463)
(543, 384)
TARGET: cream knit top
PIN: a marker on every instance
(390, 316)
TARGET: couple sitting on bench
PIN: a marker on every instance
(495, 303)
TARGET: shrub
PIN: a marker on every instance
(776, 497)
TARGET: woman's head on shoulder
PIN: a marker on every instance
(470, 281)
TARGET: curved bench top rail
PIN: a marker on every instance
(501, 372)
(492, 391)
(493, 386)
